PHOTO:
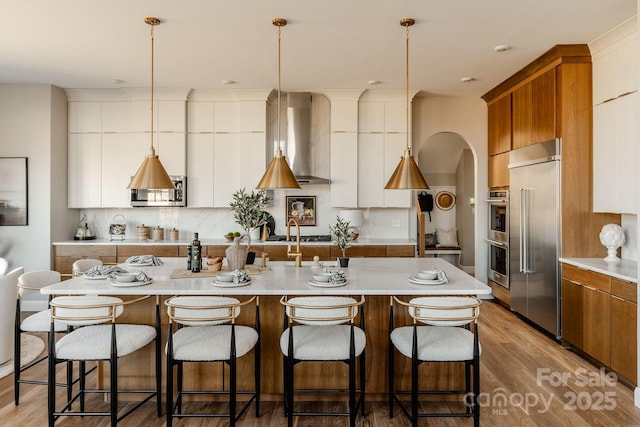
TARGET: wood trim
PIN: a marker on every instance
(559, 53)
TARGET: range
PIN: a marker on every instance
(310, 238)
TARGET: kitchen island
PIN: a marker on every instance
(376, 278)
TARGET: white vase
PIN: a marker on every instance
(255, 234)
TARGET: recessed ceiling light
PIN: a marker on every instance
(117, 81)
(467, 79)
(229, 82)
(374, 82)
(502, 48)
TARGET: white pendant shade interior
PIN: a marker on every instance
(151, 174)
(278, 174)
(407, 174)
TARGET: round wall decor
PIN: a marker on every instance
(445, 200)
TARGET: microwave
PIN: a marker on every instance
(174, 197)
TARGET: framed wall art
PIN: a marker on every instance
(13, 191)
(302, 208)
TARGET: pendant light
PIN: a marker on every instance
(407, 174)
(278, 174)
(151, 174)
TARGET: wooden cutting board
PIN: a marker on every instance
(183, 273)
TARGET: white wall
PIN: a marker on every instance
(468, 118)
(33, 124)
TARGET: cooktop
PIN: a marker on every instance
(309, 238)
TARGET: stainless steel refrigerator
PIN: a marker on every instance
(535, 233)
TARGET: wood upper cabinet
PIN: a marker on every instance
(543, 107)
(499, 170)
(499, 125)
(534, 110)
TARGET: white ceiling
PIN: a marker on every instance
(328, 44)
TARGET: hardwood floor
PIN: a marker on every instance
(521, 372)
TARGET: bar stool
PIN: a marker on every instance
(39, 322)
(80, 266)
(322, 329)
(449, 334)
(208, 332)
(97, 337)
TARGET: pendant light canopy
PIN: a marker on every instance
(278, 174)
(151, 174)
(407, 174)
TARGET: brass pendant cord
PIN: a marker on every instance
(152, 25)
(278, 174)
(151, 174)
(407, 175)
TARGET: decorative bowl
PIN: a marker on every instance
(321, 277)
(428, 275)
(125, 277)
(225, 277)
(229, 238)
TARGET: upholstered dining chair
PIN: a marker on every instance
(323, 329)
(96, 336)
(38, 322)
(443, 329)
(208, 332)
(8, 291)
(81, 265)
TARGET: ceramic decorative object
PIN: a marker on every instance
(612, 237)
(236, 254)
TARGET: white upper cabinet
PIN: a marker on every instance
(122, 155)
(116, 117)
(615, 63)
(371, 117)
(344, 147)
(85, 170)
(226, 148)
(85, 117)
(615, 123)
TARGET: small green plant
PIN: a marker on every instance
(340, 234)
(247, 208)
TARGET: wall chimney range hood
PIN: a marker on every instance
(299, 150)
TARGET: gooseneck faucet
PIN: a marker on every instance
(298, 253)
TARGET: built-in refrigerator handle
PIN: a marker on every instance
(525, 262)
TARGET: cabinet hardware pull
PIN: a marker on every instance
(617, 297)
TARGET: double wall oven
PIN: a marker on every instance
(498, 238)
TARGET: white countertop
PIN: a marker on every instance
(183, 242)
(624, 269)
(365, 276)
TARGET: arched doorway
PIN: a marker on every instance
(447, 162)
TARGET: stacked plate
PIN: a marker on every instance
(329, 279)
(232, 279)
(429, 277)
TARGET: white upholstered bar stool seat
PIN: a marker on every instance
(323, 329)
(39, 322)
(443, 329)
(208, 332)
(97, 337)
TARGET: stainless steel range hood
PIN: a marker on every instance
(299, 150)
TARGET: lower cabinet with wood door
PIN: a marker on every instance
(599, 317)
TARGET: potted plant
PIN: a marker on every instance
(341, 237)
(247, 209)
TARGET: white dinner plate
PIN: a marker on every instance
(230, 284)
(129, 284)
(326, 284)
(140, 264)
(101, 277)
(419, 281)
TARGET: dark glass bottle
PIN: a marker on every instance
(196, 254)
(188, 257)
